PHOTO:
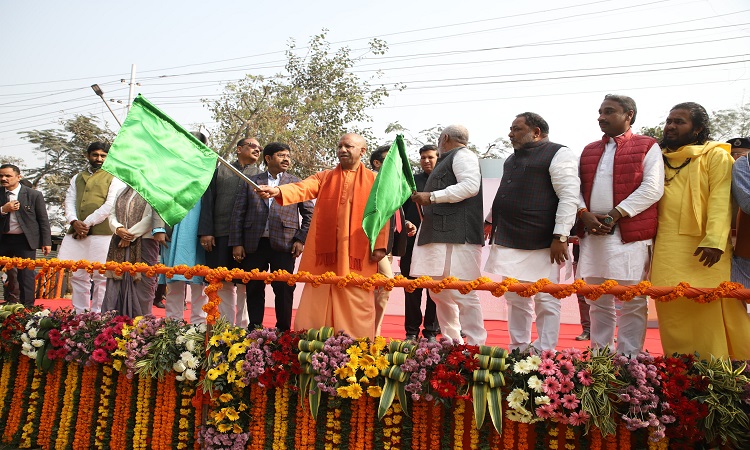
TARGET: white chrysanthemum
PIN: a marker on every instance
(190, 345)
(37, 342)
(535, 383)
(185, 356)
(44, 312)
(201, 328)
(518, 395)
(542, 400)
(193, 363)
(32, 355)
(190, 375)
(26, 347)
(32, 333)
(179, 378)
(521, 367)
(25, 338)
(179, 340)
(179, 366)
(534, 361)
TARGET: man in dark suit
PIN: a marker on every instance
(24, 225)
(413, 300)
(264, 234)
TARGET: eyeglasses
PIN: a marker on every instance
(253, 146)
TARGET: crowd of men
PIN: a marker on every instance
(636, 208)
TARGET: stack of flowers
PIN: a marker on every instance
(640, 406)
(450, 378)
(366, 360)
(271, 357)
(85, 338)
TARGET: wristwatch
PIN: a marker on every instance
(561, 238)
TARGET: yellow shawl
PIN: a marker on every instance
(691, 213)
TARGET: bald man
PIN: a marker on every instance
(336, 241)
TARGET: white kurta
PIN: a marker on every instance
(607, 256)
(456, 312)
(531, 265)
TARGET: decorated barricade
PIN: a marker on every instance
(105, 381)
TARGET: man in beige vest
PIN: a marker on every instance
(88, 202)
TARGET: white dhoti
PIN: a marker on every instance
(92, 248)
(528, 266)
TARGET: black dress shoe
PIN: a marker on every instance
(585, 336)
(411, 337)
(159, 304)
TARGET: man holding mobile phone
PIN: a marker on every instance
(622, 178)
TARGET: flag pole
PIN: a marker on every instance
(238, 172)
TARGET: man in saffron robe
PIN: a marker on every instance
(337, 243)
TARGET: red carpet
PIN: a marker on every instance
(393, 326)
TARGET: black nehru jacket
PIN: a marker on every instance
(524, 209)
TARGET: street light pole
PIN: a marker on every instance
(100, 93)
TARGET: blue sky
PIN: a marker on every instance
(478, 63)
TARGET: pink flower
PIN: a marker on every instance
(566, 386)
(584, 376)
(100, 356)
(548, 354)
(554, 400)
(550, 385)
(566, 369)
(578, 418)
(547, 367)
(544, 411)
(570, 401)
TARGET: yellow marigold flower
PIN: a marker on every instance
(117, 364)
(353, 361)
(224, 427)
(242, 406)
(337, 439)
(238, 365)
(363, 344)
(239, 383)
(136, 320)
(380, 342)
(351, 379)
(371, 371)
(223, 367)
(232, 414)
(343, 391)
(220, 415)
(382, 363)
(231, 375)
(213, 374)
(355, 391)
(344, 372)
(367, 360)
(226, 397)
(236, 429)
(374, 391)
(354, 351)
(214, 340)
(364, 380)
(396, 419)
(236, 349)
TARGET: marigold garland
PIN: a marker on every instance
(509, 431)
(70, 406)
(30, 428)
(15, 414)
(258, 400)
(5, 379)
(601, 290)
(118, 435)
(725, 287)
(52, 397)
(444, 284)
(102, 432)
(419, 417)
(677, 292)
(554, 435)
(458, 424)
(164, 413)
(523, 435)
(534, 288)
(142, 416)
(305, 434)
(86, 407)
(634, 291)
(281, 418)
(570, 290)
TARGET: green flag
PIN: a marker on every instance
(160, 160)
(393, 186)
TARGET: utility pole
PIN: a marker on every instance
(132, 89)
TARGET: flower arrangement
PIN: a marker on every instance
(681, 399)
(271, 357)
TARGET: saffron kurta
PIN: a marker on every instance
(351, 309)
(696, 211)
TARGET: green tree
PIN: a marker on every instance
(309, 107)
(64, 154)
(730, 123)
(656, 132)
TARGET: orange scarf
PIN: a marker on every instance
(327, 210)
